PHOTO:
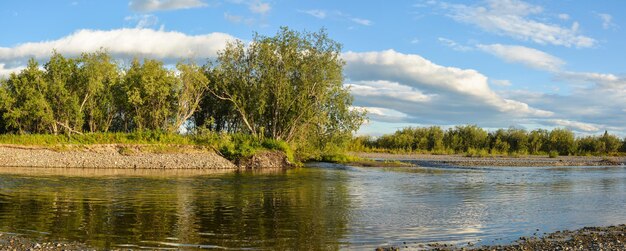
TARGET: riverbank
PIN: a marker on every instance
(588, 238)
(16, 242)
(528, 160)
(132, 156)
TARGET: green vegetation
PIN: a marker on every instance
(283, 92)
(473, 141)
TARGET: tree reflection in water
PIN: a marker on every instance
(295, 209)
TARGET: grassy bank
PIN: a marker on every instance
(232, 146)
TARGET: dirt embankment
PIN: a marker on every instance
(132, 157)
(460, 160)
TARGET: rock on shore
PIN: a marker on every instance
(129, 157)
(588, 238)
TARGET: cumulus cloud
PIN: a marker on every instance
(600, 80)
(574, 125)
(6, 71)
(158, 5)
(519, 20)
(446, 94)
(164, 45)
(563, 16)
(387, 89)
(384, 114)
(527, 56)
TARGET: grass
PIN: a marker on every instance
(356, 161)
(231, 146)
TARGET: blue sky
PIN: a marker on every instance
(494, 63)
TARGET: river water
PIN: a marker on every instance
(323, 207)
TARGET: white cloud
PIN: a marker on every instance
(574, 125)
(361, 21)
(321, 14)
(527, 56)
(517, 19)
(387, 89)
(157, 5)
(607, 21)
(384, 114)
(601, 80)
(563, 16)
(501, 82)
(453, 93)
(238, 19)
(453, 44)
(143, 21)
(5, 71)
(164, 45)
(259, 7)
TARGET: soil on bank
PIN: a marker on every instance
(531, 160)
(122, 156)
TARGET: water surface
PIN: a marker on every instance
(327, 207)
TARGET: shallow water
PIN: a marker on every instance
(327, 207)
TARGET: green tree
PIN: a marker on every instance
(149, 95)
(611, 142)
(98, 75)
(60, 75)
(27, 110)
(286, 86)
(537, 141)
(189, 90)
(4, 101)
(562, 141)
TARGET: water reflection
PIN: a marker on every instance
(296, 209)
(324, 207)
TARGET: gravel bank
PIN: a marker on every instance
(131, 157)
(588, 238)
(16, 242)
(460, 160)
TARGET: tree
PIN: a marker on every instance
(190, 89)
(611, 142)
(60, 75)
(27, 110)
(562, 141)
(97, 76)
(287, 85)
(149, 95)
(537, 141)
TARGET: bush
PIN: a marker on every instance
(553, 154)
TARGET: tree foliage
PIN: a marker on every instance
(470, 138)
(286, 86)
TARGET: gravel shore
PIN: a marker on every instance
(131, 157)
(588, 238)
(460, 160)
(21, 243)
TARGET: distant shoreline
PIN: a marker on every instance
(127, 156)
(528, 160)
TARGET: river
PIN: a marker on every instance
(322, 207)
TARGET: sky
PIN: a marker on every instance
(492, 63)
